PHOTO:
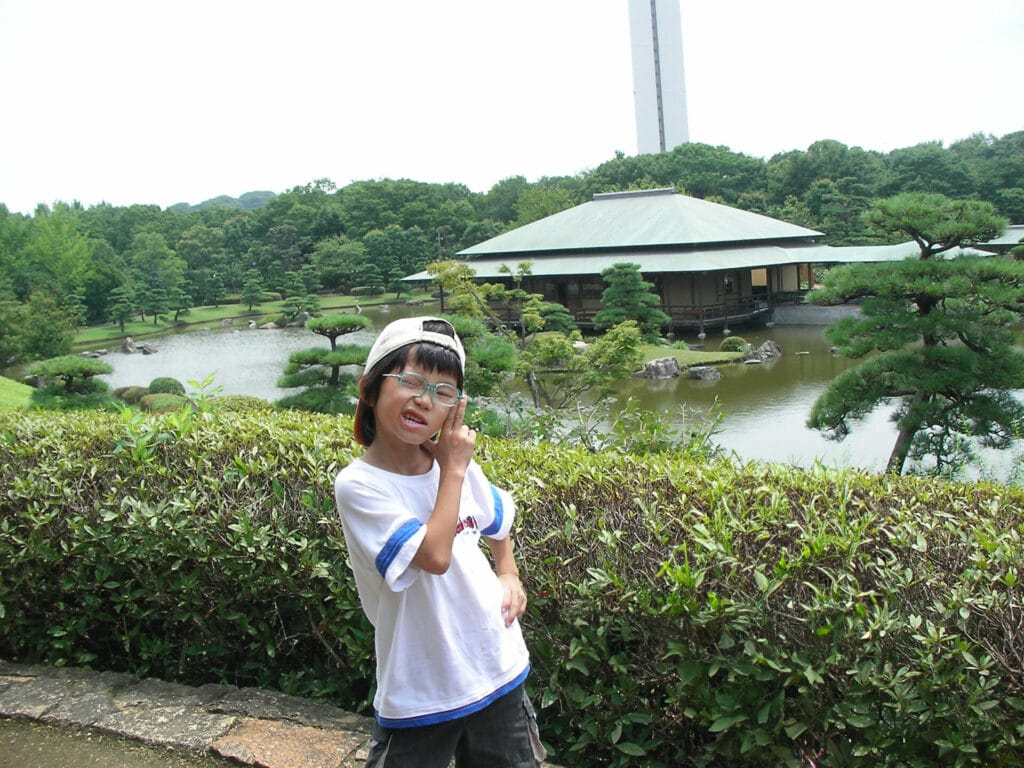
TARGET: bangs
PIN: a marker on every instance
(437, 359)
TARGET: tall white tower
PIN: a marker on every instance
(659, 84)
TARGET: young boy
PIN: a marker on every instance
(451, 660)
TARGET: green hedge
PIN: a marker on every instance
(681, 613)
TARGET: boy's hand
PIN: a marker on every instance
(513, 600)
(455, 441)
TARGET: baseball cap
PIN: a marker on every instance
(410, 330)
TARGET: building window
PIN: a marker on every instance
(592, 289)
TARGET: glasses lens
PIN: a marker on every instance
(412, 381)
(446, 394)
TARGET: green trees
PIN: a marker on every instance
(319, 369)
(628, 297)
(73, 371)
(370, 234)
(935, 333)
(559, 374)
(252, 289)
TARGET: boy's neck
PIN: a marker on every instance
(412, 461)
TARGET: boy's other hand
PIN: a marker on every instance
(513, 601)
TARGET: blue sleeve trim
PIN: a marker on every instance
(499, 514)
(455, 714)
(394, 545)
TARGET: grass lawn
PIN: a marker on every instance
(14, 395)
(198, 317)
(690, 357)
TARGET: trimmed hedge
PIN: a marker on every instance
(682, 613)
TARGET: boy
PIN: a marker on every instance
(451, 660)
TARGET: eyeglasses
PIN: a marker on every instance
(441, 393)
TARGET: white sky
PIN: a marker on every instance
(137, 101)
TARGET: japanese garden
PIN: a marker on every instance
(687, 607)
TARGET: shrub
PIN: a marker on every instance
(682, 612)
(166, 385)
(734, 344)
(239, 404)
(162, 402)
(330, 400)
(131, 394)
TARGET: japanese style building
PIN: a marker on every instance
(712, 265)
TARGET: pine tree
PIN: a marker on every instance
(628, 297)
(936, 334)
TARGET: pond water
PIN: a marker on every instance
(765, 406)
(28, 744)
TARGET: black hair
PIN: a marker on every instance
(433, 357)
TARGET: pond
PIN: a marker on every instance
(28, 744)
(765, 407)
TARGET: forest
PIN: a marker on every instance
(67, 266)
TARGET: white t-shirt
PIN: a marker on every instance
(443, 650)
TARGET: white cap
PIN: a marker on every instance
(410, 330)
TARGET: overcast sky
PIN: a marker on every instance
(135, 101)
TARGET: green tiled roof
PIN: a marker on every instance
(647, 218)
(685, 260)
(666, 232)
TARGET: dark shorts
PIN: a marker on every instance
(502, 735)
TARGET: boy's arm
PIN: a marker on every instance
(513, 600)
(453, 452)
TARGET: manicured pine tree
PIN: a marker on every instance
(936, 335)
(628, 297)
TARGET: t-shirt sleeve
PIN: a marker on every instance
(380, 531)
(496, 501)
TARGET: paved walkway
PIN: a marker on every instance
(252, 726)
(249, 725)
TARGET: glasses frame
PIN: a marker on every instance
(432, 388)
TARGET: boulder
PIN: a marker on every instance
(128, 346)
(662, 368)
(704, 373)
(769, 350)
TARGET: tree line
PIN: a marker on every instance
(67, 266)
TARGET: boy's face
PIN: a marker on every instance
(408, 412)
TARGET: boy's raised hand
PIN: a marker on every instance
(455, 442)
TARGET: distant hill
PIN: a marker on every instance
(250, 201)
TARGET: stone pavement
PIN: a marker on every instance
(249, 725)
(252, 726)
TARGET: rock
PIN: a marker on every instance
(225, 323)
(252, 324)
(704, 373)
(662, 368)
(268, 327)
(769, 350)
(147, 349)
(128, 346)
(580, 346)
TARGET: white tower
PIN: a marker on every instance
(659, 85)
